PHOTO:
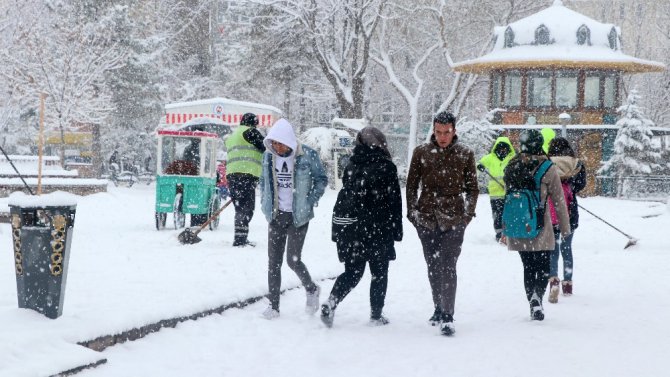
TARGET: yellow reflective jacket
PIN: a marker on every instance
(497, 167)
(243, 157)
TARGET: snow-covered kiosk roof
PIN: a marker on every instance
(558, 37)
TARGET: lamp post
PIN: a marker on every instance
(565, 120)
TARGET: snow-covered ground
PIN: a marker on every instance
(124, 274)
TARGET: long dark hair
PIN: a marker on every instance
(560, 146)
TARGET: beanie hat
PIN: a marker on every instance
(372, 137)
(531, 142)
(249, 120)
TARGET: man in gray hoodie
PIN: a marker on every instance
(292, 182)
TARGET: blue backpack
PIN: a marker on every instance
(523, 214)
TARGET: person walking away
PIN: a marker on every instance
(573, 180)
(243, 168)
(444, 170)
(535, 252)
(367, 220)
(292, 182)
(494, 163)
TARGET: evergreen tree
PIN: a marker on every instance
(634, 153)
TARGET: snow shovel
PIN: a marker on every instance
(492, 177)
(631, 240)
(189, 237)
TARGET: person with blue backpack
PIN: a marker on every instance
(531, 180)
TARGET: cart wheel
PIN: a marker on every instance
(179, 216)
(214, 206)
(161, 217)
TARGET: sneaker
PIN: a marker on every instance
(554, 289)
(379, 321)
(567, 288)
(435, 319)
(536, 309)
(447, 327)
(312, 303)
(327, 314)
(269, 313)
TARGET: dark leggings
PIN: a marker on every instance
(283, 235)
(535, 272)
(353, 272)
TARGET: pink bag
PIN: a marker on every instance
(567, 194)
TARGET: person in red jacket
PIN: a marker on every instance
(221, 180)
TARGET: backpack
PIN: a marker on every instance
(523, 214)
(568, 195)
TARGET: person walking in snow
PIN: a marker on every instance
(292, 182)
(535, 252)
(444, 170)
(367, 220)
(493, 164)
(243, 168)
(573, 180)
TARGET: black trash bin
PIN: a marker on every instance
(41, 235)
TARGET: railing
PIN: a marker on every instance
(654, 187)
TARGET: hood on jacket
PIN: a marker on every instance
(281, 131)
(567, 166)
(504, 140)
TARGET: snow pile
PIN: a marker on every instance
(54, 199)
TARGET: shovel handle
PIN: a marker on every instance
(217, 213)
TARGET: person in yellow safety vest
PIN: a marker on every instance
(494, 165)
(548, 134)
(243, 168)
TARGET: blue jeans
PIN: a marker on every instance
(565, 248)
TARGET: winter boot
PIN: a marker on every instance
(312, 303)
(554, 289)
(328, 313)
(536, 310)
(447, 325)
(437, 315)
(567, 287)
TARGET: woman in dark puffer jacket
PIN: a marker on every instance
(373, 222)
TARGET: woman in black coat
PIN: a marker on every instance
(367, 220)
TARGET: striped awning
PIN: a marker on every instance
(264, 120)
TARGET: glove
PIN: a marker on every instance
(481, 168)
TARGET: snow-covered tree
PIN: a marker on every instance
(479, 135)
(339, 34)
(634, 153)
(404, 44)
(59, 50)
